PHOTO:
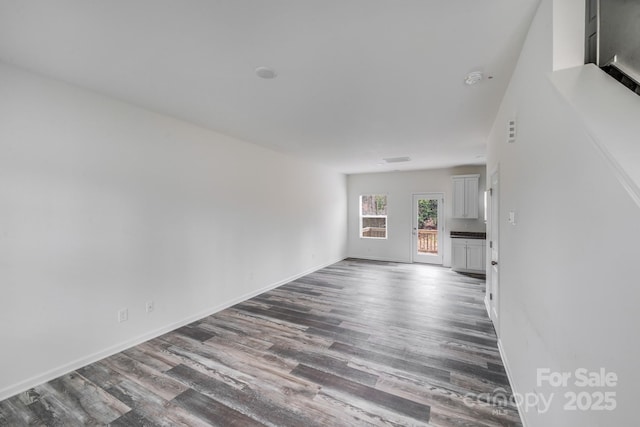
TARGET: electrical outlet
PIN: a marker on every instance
(149, 306)
(123, 315)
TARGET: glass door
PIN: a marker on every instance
(427, 228)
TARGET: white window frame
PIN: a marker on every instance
(361, 217)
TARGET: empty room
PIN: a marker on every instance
(319, 213)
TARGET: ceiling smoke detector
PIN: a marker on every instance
(266, 73)
(473, 77)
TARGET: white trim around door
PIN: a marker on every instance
(493, 277)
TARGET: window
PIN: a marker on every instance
(373, 216)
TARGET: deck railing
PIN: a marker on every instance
(374, 232)
(428, 241)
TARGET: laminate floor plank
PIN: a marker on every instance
(438, 359)
(358, 343)
(91, 404)
(353, 410)
(144, 375)
(133, 419)
(138, 354)
(212, 411)
(257, 373)
(327, 363)
(390, 401)
(15, 412)
(289, 392)
(243, 400)
(149, 408)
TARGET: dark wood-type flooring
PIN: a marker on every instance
(357, 343)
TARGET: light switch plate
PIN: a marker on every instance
(511, 131)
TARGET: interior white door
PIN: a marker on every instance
(428, 228)
(494, 268)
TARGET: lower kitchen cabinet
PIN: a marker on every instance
(468, 255)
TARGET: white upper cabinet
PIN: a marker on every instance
(465, 196)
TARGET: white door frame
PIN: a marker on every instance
(427, 258)
(492, 298)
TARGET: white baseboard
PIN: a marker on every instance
(25, 385)
(505, 362)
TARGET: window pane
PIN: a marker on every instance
(375, 204)
(374, 227)
(428, 214)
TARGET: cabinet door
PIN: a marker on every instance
(459, 198)
(471, 197)
(475, 255)
(458, 254)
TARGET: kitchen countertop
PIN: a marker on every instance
(468, 235)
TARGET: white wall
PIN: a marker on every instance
(569, 276)
(399, 188)
(568, 33)
(105, 206)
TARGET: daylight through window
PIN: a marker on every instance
(373, 216)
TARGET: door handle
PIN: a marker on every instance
(494, 262)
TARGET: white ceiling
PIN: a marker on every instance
(358, 80)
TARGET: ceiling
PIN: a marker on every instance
(357, 80)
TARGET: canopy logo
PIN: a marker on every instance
(585, 391)
(595, 388)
